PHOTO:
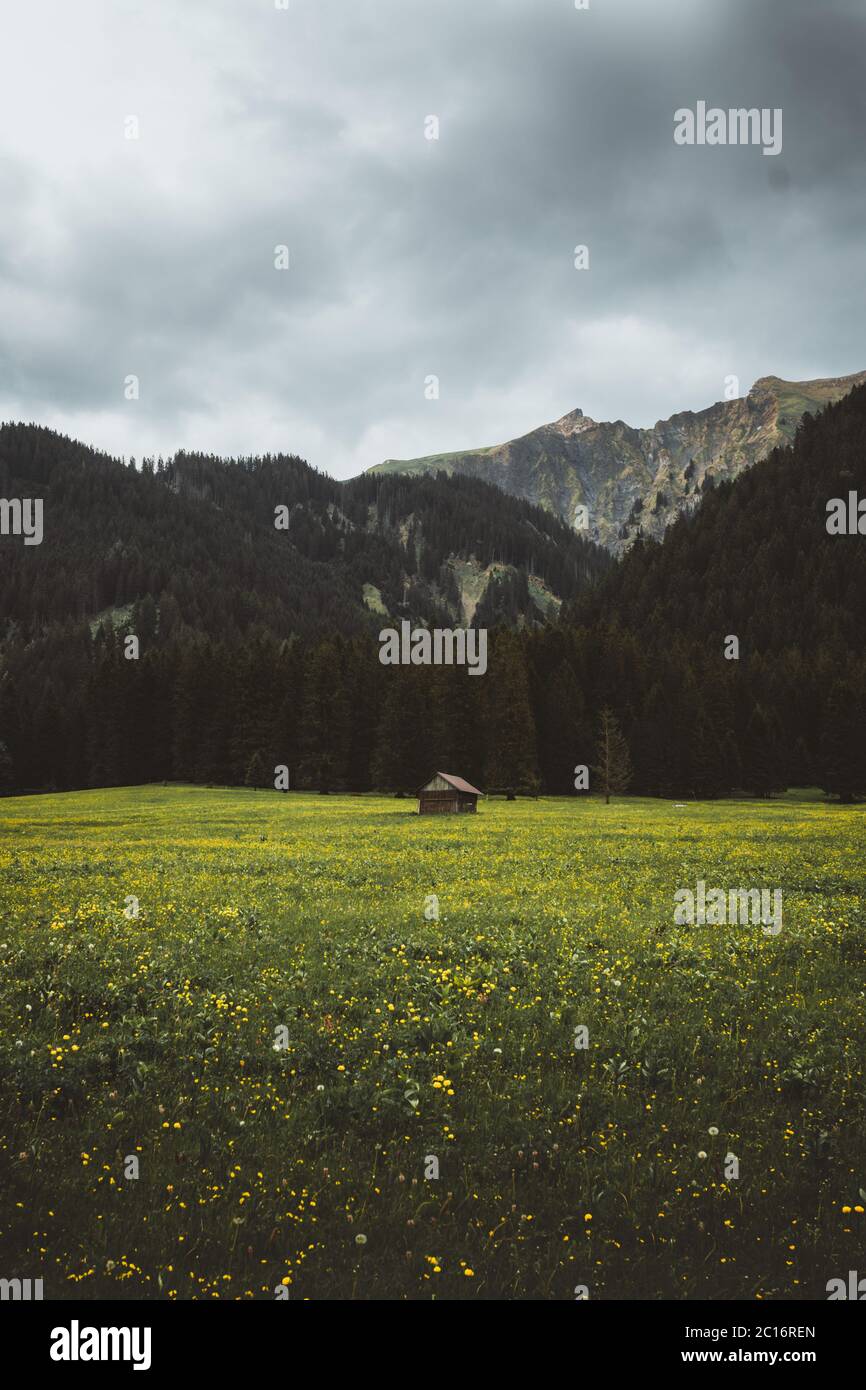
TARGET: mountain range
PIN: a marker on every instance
(258, 647)
(198, 538)
(636, 481)
(441, 541)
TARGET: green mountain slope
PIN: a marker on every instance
(196, 538)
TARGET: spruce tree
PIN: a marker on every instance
(326, 720)
(842, 754)
(256, 776)
(7, 771)
(613, 768)
(511, 757)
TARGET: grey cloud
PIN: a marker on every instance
(412, 257)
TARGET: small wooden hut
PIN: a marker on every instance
(444, 793)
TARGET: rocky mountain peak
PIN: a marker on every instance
(636, 481)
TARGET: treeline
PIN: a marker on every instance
(228, 702)
(75, 713)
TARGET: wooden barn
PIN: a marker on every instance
(444, 793)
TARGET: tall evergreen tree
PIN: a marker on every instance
(512, 762)
(256, 776)
(842, 756)
(326, 719)
(613, 768)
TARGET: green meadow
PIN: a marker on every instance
(238, 1046)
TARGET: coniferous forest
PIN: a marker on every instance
(257, 646)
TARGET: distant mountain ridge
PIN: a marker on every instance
(637, 481)
(195, 538)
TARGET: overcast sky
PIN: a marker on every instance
(411, 257)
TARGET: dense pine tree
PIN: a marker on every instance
(256, 777)
(510, 733)
(613, 770)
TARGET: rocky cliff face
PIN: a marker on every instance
(639, 479)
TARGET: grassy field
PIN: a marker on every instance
(411, 1042)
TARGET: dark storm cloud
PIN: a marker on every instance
(411, 257)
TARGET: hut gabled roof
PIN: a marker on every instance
(458, 783)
